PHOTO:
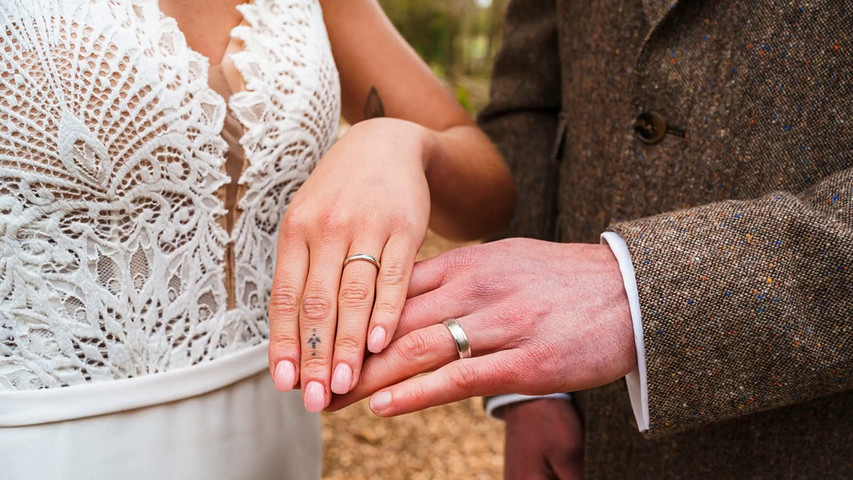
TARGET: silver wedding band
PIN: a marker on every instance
(362, 256)
(462, 344)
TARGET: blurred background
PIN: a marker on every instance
(458, 39)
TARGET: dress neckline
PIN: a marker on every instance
(228, 50)
(224, 79)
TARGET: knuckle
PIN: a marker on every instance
(294, 222)
(347, 344)
(457, 262)
(401, 224)
(387, 309)
(393, 274)
(283, 301)
(419, 394)
(318, 363)
(487, 286)
(519, 371)
(281, 343)
(550, 359)
(316, 307)
(415, 346)
(466, 376)
(355, 294)
(465, 257)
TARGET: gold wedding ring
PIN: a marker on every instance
(362, 256)
(462, 344)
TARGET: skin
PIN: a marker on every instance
(399, 169)
(541, 318)
(544, 441)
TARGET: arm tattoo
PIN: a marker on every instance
(313, 341)
(373, 107)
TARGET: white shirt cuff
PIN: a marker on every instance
(638, 387)
(499, 401)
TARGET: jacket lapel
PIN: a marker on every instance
(656, 10)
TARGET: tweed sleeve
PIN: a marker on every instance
(522, 115)
(746, 305)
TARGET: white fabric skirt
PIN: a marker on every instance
(138, 429)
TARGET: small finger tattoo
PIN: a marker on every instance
(313, 341)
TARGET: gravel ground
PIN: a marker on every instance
(452, 441)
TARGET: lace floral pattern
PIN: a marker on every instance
(111, 253)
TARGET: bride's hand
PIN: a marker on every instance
(368, 195)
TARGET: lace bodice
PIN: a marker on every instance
(111, 253)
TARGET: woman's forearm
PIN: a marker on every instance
(471, 190)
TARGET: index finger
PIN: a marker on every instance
(291, 270)
(421, 351)
(458, 380)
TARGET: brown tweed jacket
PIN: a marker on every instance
(717, 138)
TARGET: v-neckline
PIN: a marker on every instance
(228, 45)
(228, 220)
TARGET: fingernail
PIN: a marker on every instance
(285, 376)
(342, 379)
(376, 341)
(380, 401)
(315, 397)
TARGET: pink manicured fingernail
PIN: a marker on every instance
(342, 379)
(376, 341)
(315, 397)
(285, 376)
(380, 401)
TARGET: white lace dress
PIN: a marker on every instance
(134, 271)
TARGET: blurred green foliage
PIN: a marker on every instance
(463, 96)
(457, 38)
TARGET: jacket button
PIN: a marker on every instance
(650, 127)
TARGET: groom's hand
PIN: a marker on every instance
(541, 318)
(544, 440)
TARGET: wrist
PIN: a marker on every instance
(620, 308)
(398, 130)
